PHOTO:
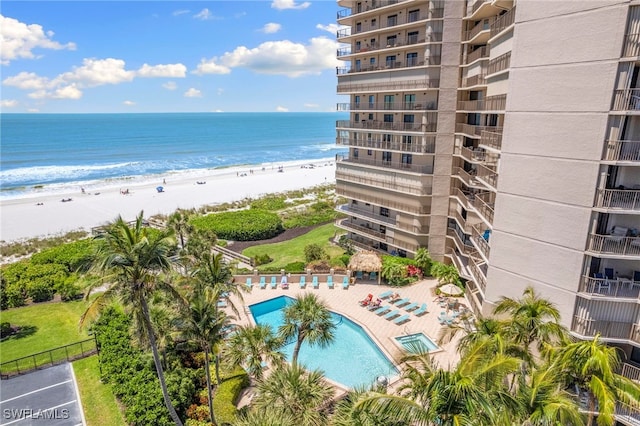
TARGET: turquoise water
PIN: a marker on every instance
(54, 150)
(352, 360)
(414, 343)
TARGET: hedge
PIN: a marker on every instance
(243, 225)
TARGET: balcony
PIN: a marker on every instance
(618, 199)
(480, 236)
(369, 244)
(626, 100)
(492, 103)
(392, 185)
(461, 241)
(426, 147)
(503, 22)
(617, 330)
(482, 52)
(365, 8)
(480, 33)
(473, 156)
(487, 175)
(474, 80)
(462, 222)
(415, 209)
(473, 130)
(391, 86)
(425, 105)
(361, 229)
(467, 178)
(614, 246)
(400, 167)
(483, 203)
(383, 125)
(499, 64)
(631, 45)
(479, 274)
(410, 41)
(395, 65)
(481, 9)
(616, 288)
(626, 151)
(384, 23)
(491, 139)
(366, 214)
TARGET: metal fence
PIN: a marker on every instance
(48, 358)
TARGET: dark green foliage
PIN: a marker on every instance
(5, 329)
(295, 267)
(73, 256)
(227, 393)
(314, 252)
(272, 203)
(261, 259)
(394, 270)
(69, 289)
(243, 225)
(316, 214)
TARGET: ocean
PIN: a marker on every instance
(57, 152)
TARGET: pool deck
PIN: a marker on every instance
(381, 330)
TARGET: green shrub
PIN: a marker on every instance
(224, 400)
(243, 225)
(271, 202)
(261, 259)
(73, 256)
(5, 329)
(314, 252)
(295, 267)
(69, 288)
(16, 295)
(40, 290)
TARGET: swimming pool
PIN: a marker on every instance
(353, 359)
(414, 343)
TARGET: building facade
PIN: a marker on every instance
(503, 136)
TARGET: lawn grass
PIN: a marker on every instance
(291, 251)
(98, 402)
(46, 326)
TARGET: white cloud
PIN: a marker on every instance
(19, 39)
(166, 70)
(8, 103)
(289, 4)
(192, 93)
(311, 105)
(129, 103)
(67, 92)
(96, 72)
(210, 67)
(27, 81)
(330, 28)
(282, 109)
(170, 85)
(277, 57)
(181, 12)
(271, 28)
(204, 15)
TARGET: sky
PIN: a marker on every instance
(168, 56)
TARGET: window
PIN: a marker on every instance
(388, 118)
(372, 63)
(388, 102)
(391, 41)
(407, 140)
(356, 100)
(386, 137)
(392, 20)
(383, 229)
(384, 211)
(412, 37)
(356, 117)
(390, 61)
(370, 117)
(355, 152)
(374, 24)
(406, 160)
(369, 152)
(414, 15)
(357, 46)
(373, 40)
(408, 118)
(386, 156)
(372, 101)
(409, 101)
(383, 246)
(359, 7)
(358, 65)
(358, 27)
(412, 59)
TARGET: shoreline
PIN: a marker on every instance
(42, 215)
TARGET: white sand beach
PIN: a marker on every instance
(47, 215)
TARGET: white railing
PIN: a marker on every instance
(613, 244)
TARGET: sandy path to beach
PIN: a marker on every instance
(27, 218)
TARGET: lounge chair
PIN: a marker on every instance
(373, 276)
(392, 314)
(618, 233)
(263, 282)
(345, 283)
(249, 284)
(401, 319)
(411, 306)
(421, 310)
(274, 282)
(382, 310)
(303, 281)
(359, 275)
(608, 273)
(315, 282)
(401, 302)
(330, 281)
(385, 294)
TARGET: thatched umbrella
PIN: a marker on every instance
(366, 261)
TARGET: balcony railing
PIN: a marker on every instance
(618, 288)
(607, 329)
(619, 199)
(366, 7)
(626, 100)
(347, 191)
(383, 183)
(474, 130)
(491, 139)
(614, 245)
(483, 203)
(474, 80)
(478, 233)
(410, 41)
(367, 214)
(502, 22)
(400, 167)
(384, 23)
(483, 25)
(622, 151)
(361, 229)
(498, 64)
(382, 125)
(487, 175)
(492, 103)
(431, 60)
(388, 106)
(463, 244)
(482, 52)
(470, 155)
(388, 86)
(428, 147)
(631, 45)
(631, 372)
(477, 272)
(466, 177)
(477, 5)
(461, 221)
(462, 196)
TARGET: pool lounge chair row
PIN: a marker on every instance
(414, 307)
(303, 282)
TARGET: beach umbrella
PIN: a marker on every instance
(159, 188)
(451, 290)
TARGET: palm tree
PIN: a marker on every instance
(202, 323)
(349, 412)
(486, 331)
(296, 393)
(307, 319)
(445, 273)
(592, 365)
(423, 260)
(252, 346)
(532, 319)
(129, 260)
(266, 417)
(179, 222)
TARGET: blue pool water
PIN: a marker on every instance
(413, 343)
(353, 359)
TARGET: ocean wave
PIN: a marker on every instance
(54, 173)
(323, 147)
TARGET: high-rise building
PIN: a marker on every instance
(503, 136)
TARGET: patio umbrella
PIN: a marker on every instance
(451, 289)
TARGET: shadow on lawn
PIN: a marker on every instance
(18, 332)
